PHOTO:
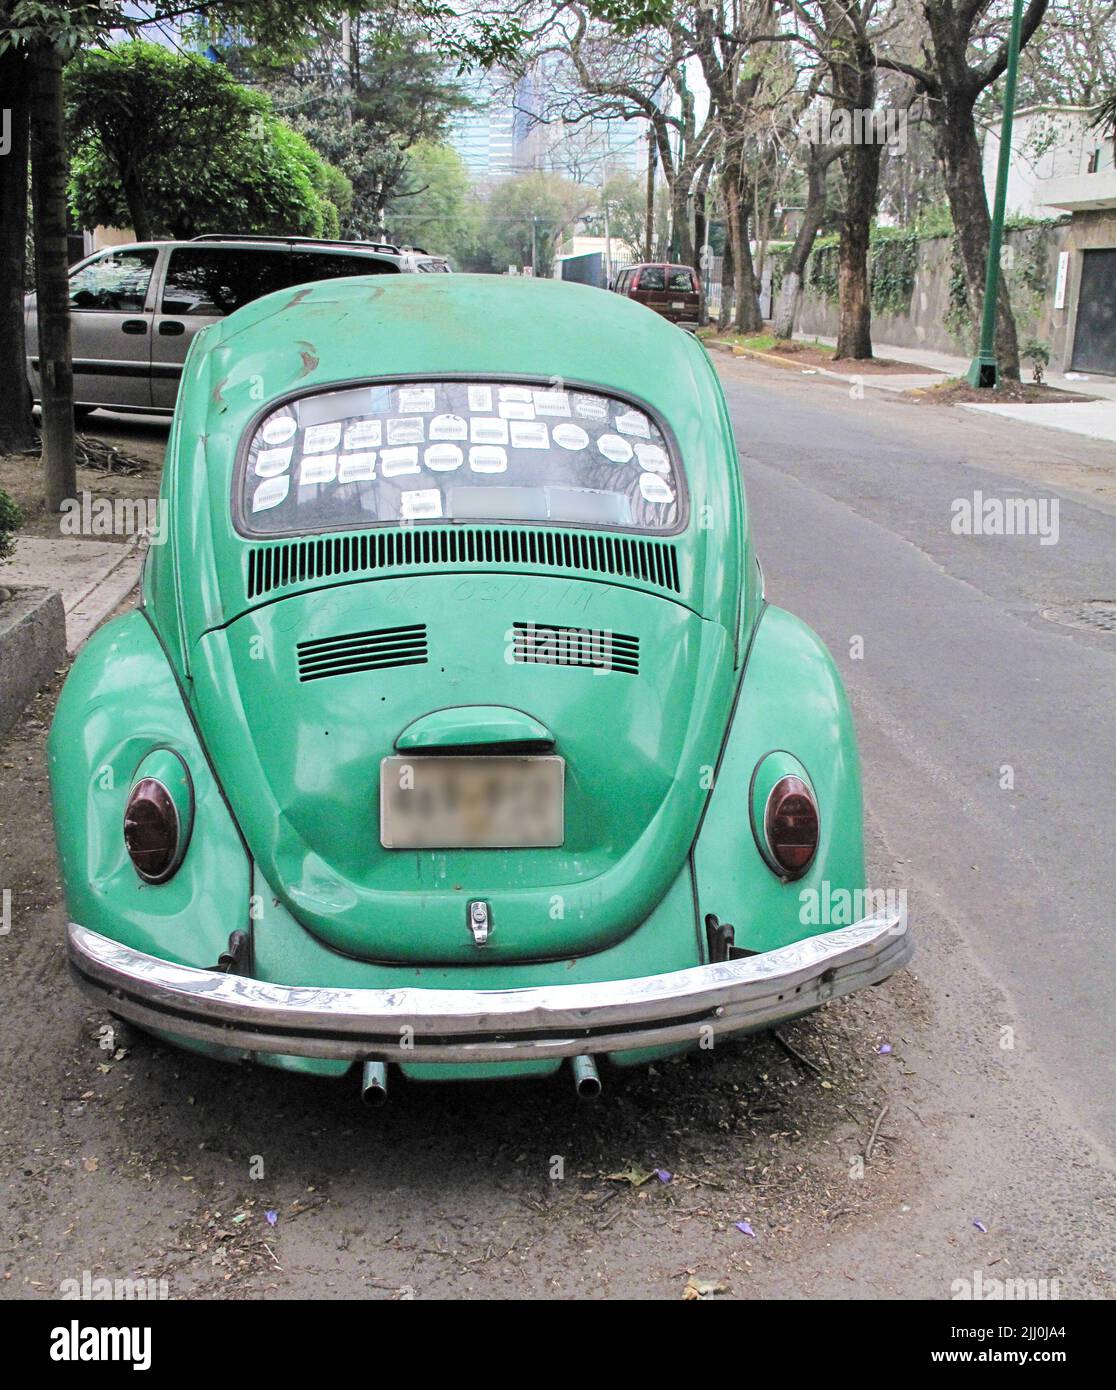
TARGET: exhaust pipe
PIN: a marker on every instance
(373, 1084)
(587, 1081)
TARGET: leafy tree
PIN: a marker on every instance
(435, 207)
(213, 157)
(525, 219)
(366, 96)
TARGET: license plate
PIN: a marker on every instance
(678, 304)
(437, 802)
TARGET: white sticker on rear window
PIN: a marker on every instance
(529, 434)
(321, 439)
(271, 493)
(279, 429)
(419, 505)
(551, 403)
(395, 462)
(652, 458)
(614, 448)
(488, 431)
(488, 458)
(480, 399)
(517, 410)
(319, 468)
(570, 436)
(443, 458)
(409, 430)
(415, 398)
(357, 468)
(591, 407)
(449, 427)
(633, 422)
(516, 393)
(272, 461)
(364, 434)
(654, 489)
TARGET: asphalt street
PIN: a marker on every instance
(988, 731)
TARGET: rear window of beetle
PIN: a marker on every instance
(421, 451)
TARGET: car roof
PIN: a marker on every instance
(483, 325)
(262, 243)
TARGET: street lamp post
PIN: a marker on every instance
(983, 370)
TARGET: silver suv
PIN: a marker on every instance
(134, 309)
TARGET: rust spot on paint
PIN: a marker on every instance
(301, 295)
(309, 358)
(218, 398)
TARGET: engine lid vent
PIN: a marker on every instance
(290, 563)
(596, 648)
(362, 651)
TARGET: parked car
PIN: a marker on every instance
(134, 309)
(671, 290)
(453, 730)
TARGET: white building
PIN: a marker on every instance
(1058, 163)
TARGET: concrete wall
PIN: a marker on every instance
(925, 324)
(32, 647)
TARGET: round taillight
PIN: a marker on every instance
(152, 831)
(790, 825)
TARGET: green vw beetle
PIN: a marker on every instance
(453, 731)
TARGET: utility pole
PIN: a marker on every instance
(983, 370)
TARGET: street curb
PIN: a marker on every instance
(95, 605)
(32, 648)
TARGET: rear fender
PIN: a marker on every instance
(119, 702)
(791, 698)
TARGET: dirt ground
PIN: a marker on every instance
(955, 392)
(116, 458)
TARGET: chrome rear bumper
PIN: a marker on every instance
(497, 1025)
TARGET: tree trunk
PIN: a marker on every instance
(17, 429)
(649, 231)
(132, 186)
(794, 267)
(861, 166)
(747, 318)
(682, 247)
(728, 277)
(48, 190)
(959, 153)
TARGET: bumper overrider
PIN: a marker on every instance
(472, 1025)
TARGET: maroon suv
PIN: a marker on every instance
(671, 290)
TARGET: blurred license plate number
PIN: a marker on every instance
(472, 803)
(678, 304)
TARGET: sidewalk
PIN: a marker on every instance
(93, 577)
(1093, 419)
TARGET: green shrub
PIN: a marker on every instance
(11, 519)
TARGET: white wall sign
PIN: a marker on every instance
(1063, 278)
